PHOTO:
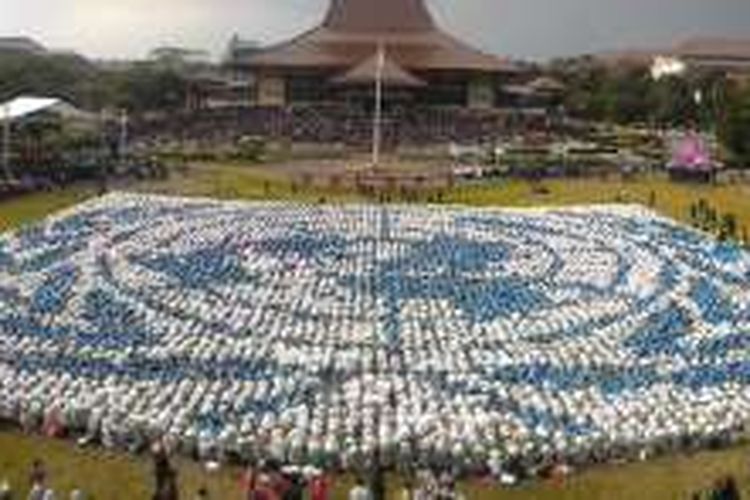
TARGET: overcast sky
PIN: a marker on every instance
(517, 28)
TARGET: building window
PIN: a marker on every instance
(306, 89)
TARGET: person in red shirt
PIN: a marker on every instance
(320, 487)
(248, 483)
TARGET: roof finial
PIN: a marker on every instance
(378, 16)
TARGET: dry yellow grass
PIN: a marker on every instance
(107, 476)
(672, 199)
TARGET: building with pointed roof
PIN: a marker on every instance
(337, 60)
(730, 56)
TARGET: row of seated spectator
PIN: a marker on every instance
(332, 124)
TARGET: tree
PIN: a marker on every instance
(58, 75)
(628, 94)
(146, 88)
(141, 86)
(735, 128)
(177, 58)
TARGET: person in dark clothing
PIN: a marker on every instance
(169, 490)
(165, 476)
(296, 490)
(377, 485)
(725, 489)
(38, 473)
(731, 491)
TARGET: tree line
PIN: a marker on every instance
(628, 94)
(137, 86)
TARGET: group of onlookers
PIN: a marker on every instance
(268, 481)
(327, 124)
(724, 489)
(39, 489)
(271, 481)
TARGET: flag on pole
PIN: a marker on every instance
(377, 118)
(6, 141)
(123, 142)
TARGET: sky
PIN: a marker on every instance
(535, 29)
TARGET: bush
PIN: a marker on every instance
(251, 149)
(735, 129)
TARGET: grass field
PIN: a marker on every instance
(18, 211)
(113, 477)
(672, 199)
(253, 183)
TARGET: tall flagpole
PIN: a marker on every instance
(377, 133)
(123, 142)
(6, 141)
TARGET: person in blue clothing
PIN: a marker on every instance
(725, 489)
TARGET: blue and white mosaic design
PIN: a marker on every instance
(306, 331)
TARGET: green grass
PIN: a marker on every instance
(111, 476)
(30, 208)
(108, 476)
(232, 181)
(114, 477)
(672, 199)
(669, 478)
(262, 182)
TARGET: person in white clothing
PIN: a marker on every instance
(5, 492)
(37, 492)
(360, 491)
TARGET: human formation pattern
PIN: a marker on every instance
(312, 332)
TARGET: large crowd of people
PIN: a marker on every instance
(332, 124)
(502, 342)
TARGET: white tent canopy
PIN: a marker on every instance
(26, 106)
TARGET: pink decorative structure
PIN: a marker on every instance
(691, 153)
(691, 159)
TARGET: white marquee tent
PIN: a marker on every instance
(24, 107)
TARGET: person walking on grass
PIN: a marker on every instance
(38, 473)
(320, 487)
(5, 492)
(37, 492)
(731, 491)
(360, 491)
(725, 489)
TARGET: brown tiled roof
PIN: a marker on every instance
(699, 48)
(353, 28)
(628, 58)
(393, 74)
(715, 47)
